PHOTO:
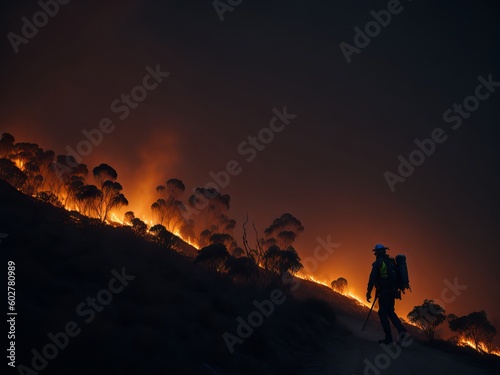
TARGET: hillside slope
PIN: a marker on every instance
(171, 314)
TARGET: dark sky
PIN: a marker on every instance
(327, 166)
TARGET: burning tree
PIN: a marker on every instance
(34, 168)
(75, 183)
(111, 196)
(427, 317)
(339, 285)
(169, 210)
(89, 198)
(475, 328)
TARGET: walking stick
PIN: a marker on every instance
(368, 317)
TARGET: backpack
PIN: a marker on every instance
(394, 273)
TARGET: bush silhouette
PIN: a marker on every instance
(215, 256)
(427, 317)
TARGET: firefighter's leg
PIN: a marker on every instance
(391, 314)
(384, 305)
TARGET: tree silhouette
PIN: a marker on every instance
(282, 232)
(474, 327)
(162, 236)
(339, 285)
(286, 238)
(168, 211)
(103, 173)
(74, 184)
(285, 223)
(112, 198)
(60, 173)
(34, 162)
(159, 209)
(224, 239)
(427, 317)
(204, 239)
(207, 208)
(139, 227)
(128, 216)
(282, 261)
(89, 198)
(175, 188)
(215, 256)
(256, 254)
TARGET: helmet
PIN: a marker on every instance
(379, 248)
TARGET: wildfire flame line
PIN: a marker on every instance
(115, 219)
(318, 281)
(481, 346)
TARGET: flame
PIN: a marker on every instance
(304, 276)
(18, 162)
(359, 300)
(350, 294)
(481, 346)
(188, 240)
(114, 219)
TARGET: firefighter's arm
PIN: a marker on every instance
(371, 281)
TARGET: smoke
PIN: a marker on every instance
(155, 159)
